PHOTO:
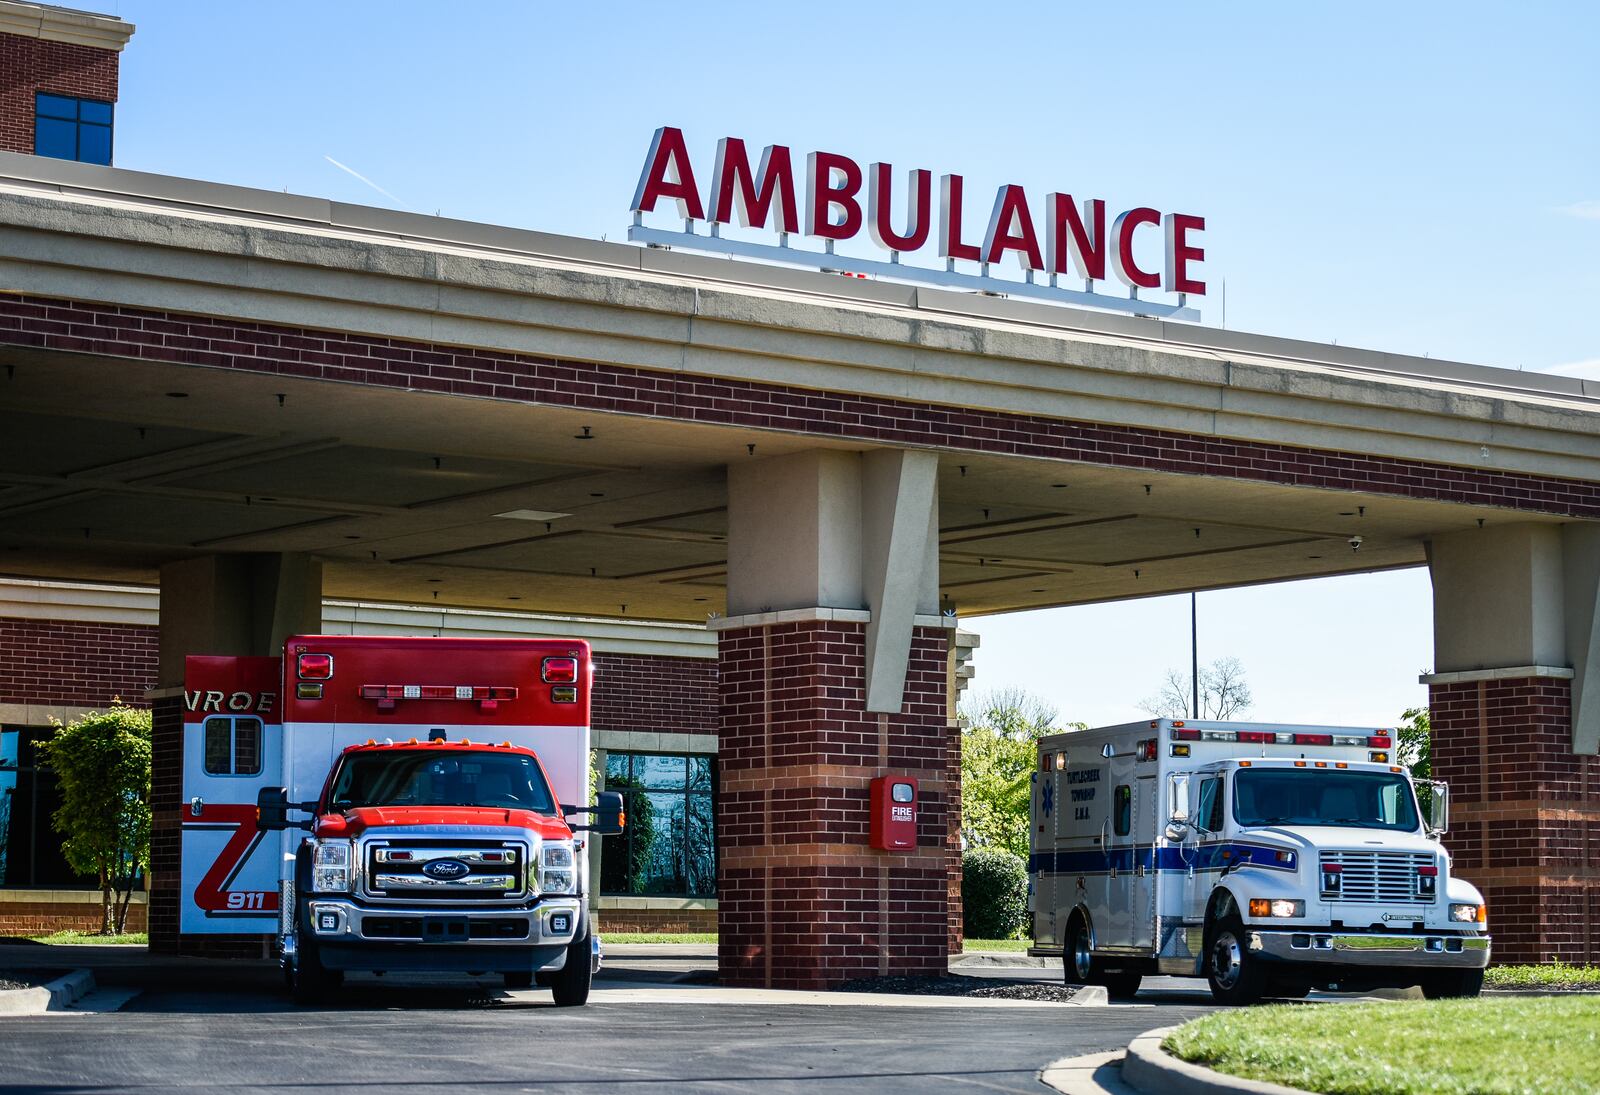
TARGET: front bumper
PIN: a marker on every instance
(339, 920)
(1372, 950)
(350, 936)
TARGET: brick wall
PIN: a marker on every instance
(75, 664)
(649, 692)
(1525, 813)
(802, 901)
(85, 327)
(44, 917)
(30, 65)
(656, 920)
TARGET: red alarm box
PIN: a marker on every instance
(894, 813)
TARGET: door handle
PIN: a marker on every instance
(197, 806)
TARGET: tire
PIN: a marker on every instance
(1076, 962)
(1236, 979)
(1452, 984)
(309, 980)
(1121, 985)
(570, 984)
(521, 979)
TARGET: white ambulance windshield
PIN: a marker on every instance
(425, 778)
(1321, 796)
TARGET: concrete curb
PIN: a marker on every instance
(1090, 996)
(1151, 1069)
(1090, 1074)
(57, 995)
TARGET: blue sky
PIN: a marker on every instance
(1419, 178)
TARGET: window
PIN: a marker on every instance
(1209, 815)
(429, 777)
(72, 129)
(232, 746)
(30, 847)
(1124, 804)
(669, 845)
(1302, 796)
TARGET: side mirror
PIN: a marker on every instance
(272, 809)
(1438, 807)
(607, 812)
(1178, 798)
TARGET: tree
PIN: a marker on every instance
(1223, 693)
(102, 765)
(998, 753)
(1414, 749)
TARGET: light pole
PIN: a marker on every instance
(1194, 656)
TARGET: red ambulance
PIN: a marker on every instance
(396, 804)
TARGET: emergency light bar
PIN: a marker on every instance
(486, 696)
(1281, 737)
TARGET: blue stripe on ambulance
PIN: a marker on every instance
(1203, 857)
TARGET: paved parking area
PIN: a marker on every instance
(228, 1028)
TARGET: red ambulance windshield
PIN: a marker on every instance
(424, 777)
(1300, 796)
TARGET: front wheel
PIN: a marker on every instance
(1450, 984)
(570, 984)
(309, 980)
(1077, 962)
(1235, 977)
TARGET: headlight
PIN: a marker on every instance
(330, 866)
(1261, 906)
(556, 873)
(1469, 914)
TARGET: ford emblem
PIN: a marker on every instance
(445, 870)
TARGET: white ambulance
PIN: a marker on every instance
(1268, 859)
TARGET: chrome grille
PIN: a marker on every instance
(1377, 877)
(491, 870)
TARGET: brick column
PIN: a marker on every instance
(1525, 810)
(166, 824)
(803, 901)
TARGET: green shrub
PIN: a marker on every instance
(102, 765)
(994, 893)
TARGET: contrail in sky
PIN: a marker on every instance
(363, 178)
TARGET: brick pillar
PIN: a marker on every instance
(1525, 812)
(802, 901)
(166, 826)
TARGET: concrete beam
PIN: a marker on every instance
(1498, 598)
(82, 231)
(1580, 550)
(244, 604)
(899, 562)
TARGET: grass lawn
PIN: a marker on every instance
(1543, 1044)
(70, 938)
(1020, 946)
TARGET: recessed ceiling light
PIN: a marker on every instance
(532, 514)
